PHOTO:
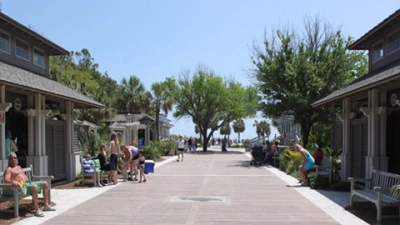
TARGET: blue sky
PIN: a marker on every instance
(156, 39)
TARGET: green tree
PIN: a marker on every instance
(211, 102)
(132, 95)
(258, 128)
(238, 127)
(225, 130)
(294, 71)
(162, 100)
(264, 128)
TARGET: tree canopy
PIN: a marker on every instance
(294, 70)
(211, 102)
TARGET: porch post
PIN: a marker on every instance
(38, 158)
(147, 135)
(382, 111)
(4, 107)
(70, 156)
(346, 154)
(372, 158)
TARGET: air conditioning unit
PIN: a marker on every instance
(394, 100)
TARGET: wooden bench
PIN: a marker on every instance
(377, 191)
(325, 169)
(90, 175)
(16, 198)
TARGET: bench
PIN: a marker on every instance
(17, 198)
(377, 191)
(325, 169)
(95, 168)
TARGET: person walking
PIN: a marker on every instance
(181, 148)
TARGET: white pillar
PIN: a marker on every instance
(4, 107)
(372, 158)
(147, 135)
(346, 154)
(70, 155)
(39, 158)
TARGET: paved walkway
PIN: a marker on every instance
(206, 188)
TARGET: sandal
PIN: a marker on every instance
(140, 181)
(144, 181)
(49, 209)
(38, 214)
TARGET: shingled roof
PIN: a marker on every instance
(372, 79)
(23, 79)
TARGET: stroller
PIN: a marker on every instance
(258, 155)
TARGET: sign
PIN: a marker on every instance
(17, 104)
(2, 117)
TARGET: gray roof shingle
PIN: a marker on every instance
(27, 80)
(369, 80)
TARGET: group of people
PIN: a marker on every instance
(133, 159)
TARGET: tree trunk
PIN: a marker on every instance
(305, 133)
(205, 140)
(238, 137)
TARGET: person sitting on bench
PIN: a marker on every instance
(16, 176)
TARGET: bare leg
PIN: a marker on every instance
(135, 165)
(45, 188)
(35, 198)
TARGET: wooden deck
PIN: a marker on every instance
(210, 188)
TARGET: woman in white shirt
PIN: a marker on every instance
(181, 148)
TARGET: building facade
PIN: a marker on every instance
(370, 105)
(27, 98)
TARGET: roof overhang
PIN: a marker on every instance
(362, 42)
(372, 80)
(22, 81)
(50, 47)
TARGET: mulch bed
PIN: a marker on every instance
(25, 211)
(367, 212)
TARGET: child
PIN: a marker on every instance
(142, 160)
(88, 165)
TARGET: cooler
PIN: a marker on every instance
(149, 166)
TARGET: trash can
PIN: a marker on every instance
(149, 166)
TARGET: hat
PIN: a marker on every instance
(316, 145)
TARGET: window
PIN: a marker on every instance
(4, 42)
(377, 52)
(393, 42)
(38, 58)
(22, 49)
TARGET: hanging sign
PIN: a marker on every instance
(17, 104)
(2, 117)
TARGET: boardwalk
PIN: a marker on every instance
(206, 188)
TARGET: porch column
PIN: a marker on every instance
(129, 132)
(372, 158)
(346, 154)
(39, 158)
(4, 107)
(72, 158)
(147, 135)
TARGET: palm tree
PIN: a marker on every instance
(132, 92)
(265, 129)
(162, 101)
(258, 128)
(238, 127)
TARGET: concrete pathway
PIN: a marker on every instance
(206, 188)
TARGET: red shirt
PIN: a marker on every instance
(318, 156)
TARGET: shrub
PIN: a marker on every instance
(289, 161)
(320, 182)
(341, 186)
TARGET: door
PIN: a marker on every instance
(55, 149)
(359, 147)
